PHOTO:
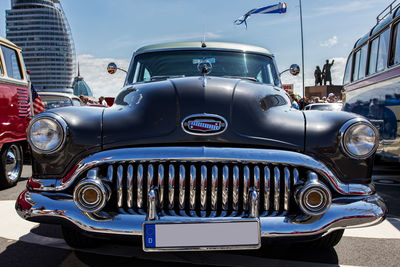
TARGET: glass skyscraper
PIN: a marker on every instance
(41, 29)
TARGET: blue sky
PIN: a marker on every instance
(106, 31)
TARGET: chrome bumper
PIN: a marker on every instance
(345, 212)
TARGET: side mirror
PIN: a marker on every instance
(294, 69)
(112, 68)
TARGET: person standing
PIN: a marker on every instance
(318, 76)
(326, 72)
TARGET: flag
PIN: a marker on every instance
(278, 8)
(38, 105)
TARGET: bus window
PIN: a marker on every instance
(383, 50)
(12, 63)
(395, 55)
(356, 65)
(373, 56)
(363, 62)
(347, 72)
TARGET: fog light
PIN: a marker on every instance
(314, 198)
(91, 195)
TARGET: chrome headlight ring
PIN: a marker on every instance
(369, 138)
(52, 120)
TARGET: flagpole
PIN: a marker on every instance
(302, 48)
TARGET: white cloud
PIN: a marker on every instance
(330, 42)
(337, 72)
(94, 72)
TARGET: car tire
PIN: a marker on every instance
(12, 160)
(76, 239)
(328, 241)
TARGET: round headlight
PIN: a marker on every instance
(46, 134)
(359, 139)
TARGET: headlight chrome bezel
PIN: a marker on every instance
(345, 130)
(56, 119)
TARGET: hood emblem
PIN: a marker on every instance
(204, 124)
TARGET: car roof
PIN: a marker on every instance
(209, 45)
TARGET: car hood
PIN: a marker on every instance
(152, 113)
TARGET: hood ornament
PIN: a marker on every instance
(204, 124)
(205, 66)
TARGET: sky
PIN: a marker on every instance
(110, 31)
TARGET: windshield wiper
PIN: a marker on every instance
(242, 77)
(163, 77)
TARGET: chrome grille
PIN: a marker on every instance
(202, 188)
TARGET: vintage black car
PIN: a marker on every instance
(201, 150)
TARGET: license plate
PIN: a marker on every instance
(159, 236)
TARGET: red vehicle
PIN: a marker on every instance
(14, 112)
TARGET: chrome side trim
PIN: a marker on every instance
(210, 154)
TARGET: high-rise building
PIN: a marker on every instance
(41, 29)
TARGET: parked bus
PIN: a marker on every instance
(372, 79)
(14, 112)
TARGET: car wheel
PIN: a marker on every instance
(76, 239)
(11, 164)
(328, 241)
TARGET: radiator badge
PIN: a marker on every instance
(204, 124)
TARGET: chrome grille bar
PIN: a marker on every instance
(171, 186)
(235, 195)
(119, 185)
(161, 184)
(267, 188)
(286, 198)
(203, 188)
(192, 193)
(214, 187)
(129, 186)
(225, 187)
(277, 188)
(181, 187)
(140, 186)
(246, 185)
(150, 177)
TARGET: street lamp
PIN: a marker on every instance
(302, 48)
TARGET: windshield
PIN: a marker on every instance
(172, 64)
